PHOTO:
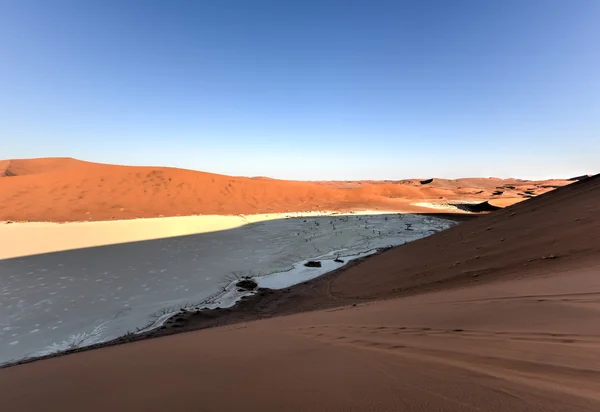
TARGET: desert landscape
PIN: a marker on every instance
(61, 293)
(419, 294)
(300, 206)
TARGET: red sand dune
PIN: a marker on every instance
(64, 189)
(497, 314)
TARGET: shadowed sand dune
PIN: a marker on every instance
(65, 189)
(497, 314)
(558, 228)
(477, 207)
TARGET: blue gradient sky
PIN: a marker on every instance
(306, 89)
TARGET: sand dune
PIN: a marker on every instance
(64, 189)
(558, 228)
(496, 314)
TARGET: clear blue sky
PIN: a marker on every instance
(306, 89)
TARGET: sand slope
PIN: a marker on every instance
(64, 189)
(522, 335)
(517, 347)
(558, 228)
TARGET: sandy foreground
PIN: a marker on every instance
(528, 345)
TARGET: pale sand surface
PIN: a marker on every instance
(30, 238)
(525, 345)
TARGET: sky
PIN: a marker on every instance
(309, 90)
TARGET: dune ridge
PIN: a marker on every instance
(66, 189)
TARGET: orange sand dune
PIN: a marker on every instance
(68, 190)
(497, 314)
(64, 189)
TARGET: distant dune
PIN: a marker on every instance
(66, 189)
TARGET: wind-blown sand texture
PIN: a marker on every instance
(65, 189)
(496, 314)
